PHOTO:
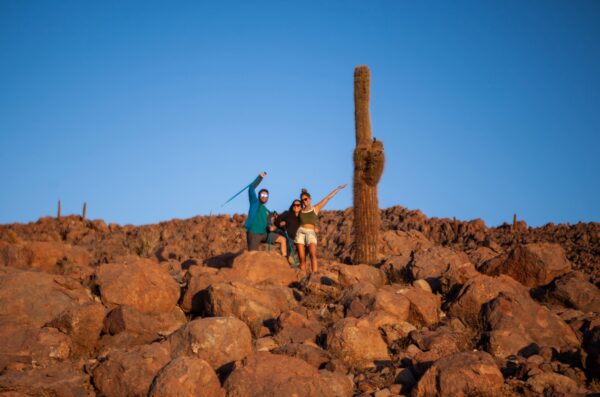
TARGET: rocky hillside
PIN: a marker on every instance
(178, 308)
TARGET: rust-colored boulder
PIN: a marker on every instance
(515, 323)
(198, 279)
(61, 379)
(31, 346)
(186, 377)
(130, 374)
(265, 374)
(128, 319)
(46, 256)
(424, 306)
(310, 353)
(217, 340)
(252, 304)
(550, 383)
(441, 267)
(138, 283)
(402, 243)
(461, 374)
(480, 290)
(292, 326)
(574, 290)
(533, 265)
(351, 274)
(37, 298)
(83, 324)
(357, 343)
(258, 266)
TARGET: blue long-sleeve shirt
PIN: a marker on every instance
(258, 214)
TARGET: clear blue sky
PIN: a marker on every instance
(156, 110)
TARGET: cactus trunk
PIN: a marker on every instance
(368, 168)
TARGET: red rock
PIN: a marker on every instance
(424, 306)
(198, 279)
(252, 304)
(50, 257)
(312, 354)
(130, 374)
(255, 267)
(550, 383)
(441, 267)
(138, 283)
(186, 377)
(461, 374)
(37, 298)
(357, 343)
(350, 274)
(532, 265)
(128, 319)
(517, 322)
(401, 243)
(480, 255)
(574, 290)
(294, 327)
(480, 290)
(266, 374)
(83, 324)
(217, 340)
(61, 379)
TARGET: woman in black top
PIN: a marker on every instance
(289, 221)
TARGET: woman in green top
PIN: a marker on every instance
(306, 234)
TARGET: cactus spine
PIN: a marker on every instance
(368, 167)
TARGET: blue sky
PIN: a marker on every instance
(152, 110)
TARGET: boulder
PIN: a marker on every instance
(27, 345)
(533, 265)
(37, 298)
(357, 343)
(266, 374)
(255, 267)
(424, 306)
(401, 243)
(480, 255)
(550, 383)
(217, 340)
(61, 379)
(130, 374)
(128, 319)
(310, 353)
(198, 279)
(441, 267)
(396, 268)
(138, 283)
(83, 324)
(461, 374)
(516, 323)
(46, 256)
(351, 274)
(186, 377)
(252, 304)
(292, 326)
(479, 291)
(574, 290)
(591, 345)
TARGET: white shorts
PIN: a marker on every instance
(305, 236)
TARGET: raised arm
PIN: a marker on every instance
(322, 203)
(252, 188)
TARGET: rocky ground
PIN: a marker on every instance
(179, 309)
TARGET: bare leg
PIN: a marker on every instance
(283, 244)
(312, 249)
(302, 256)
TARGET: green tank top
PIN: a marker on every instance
(309, 217)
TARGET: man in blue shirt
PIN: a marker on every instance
(259, 226)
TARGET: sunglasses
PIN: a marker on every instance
(305, 199)
(296, 205)
(264, 195)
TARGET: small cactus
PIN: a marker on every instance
(369, 161)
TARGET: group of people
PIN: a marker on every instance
(294, 227)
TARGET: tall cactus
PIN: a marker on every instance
(368, 167)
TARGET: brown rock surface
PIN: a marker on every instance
(128, 319)
(441, 267)
(532, 265)
(256, 266)
(514, 323)
(130, 374)
(186, 377)
(266, 374)
(83, 324)
(252, 304)
(424, 306)
(461, 374)
(357, 343)
(574, 290)
(138, 283)
(61, 379)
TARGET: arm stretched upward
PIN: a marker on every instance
(322, 203)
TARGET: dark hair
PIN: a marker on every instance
(292, 205)
(304, 192)
(262, 190)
